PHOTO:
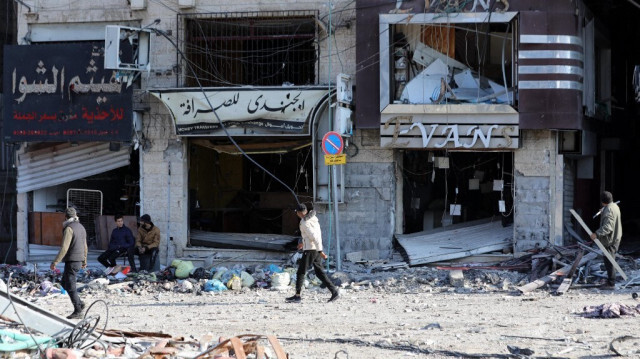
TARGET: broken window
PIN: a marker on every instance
(252, 48)
(433, 61)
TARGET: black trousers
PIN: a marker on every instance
(108, 257)
(312, 258)
(611, 272)
(69, 278)
(147, 259)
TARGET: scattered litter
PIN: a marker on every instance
(610, 310)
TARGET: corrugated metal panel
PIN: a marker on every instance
(64, 163)
(568, 189)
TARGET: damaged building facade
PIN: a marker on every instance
(454, 115)
(268, 70)
(494, 111)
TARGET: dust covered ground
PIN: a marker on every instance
(408, 313)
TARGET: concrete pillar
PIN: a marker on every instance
(22, 227)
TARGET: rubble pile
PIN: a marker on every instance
(181, 278)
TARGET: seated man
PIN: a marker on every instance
(147, 242)
(122, 241)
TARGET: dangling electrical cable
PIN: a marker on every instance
(224, 128)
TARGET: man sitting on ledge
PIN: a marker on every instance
(147, 243)
(121, 242)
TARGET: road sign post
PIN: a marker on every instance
(332, 146)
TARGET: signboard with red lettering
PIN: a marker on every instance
(61, 92)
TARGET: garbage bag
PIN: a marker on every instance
(274, 268)
(247, 279)
(235, 283)
(280, 280)
(183, 269)
(218, 274)
(199, 273)
(229, 274)
(214, 285)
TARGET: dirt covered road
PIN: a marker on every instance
(402, 314)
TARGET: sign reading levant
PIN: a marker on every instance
(61, 92)
(450, 127)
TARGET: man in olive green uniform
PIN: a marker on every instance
(609, 234)
(73, 253)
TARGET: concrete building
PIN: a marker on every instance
(452, 117)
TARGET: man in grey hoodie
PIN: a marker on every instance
(312, 253)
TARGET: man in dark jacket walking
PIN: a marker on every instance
(122, 241)
(73, 253)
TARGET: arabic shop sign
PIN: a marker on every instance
(61, 92)
(459, 127)
(254, 111)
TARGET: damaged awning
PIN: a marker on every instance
(243, 111)
(442, 244)
(62, 163)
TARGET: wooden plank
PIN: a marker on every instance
(277, 348)
(238, 348)
(553, 276)
(566, 282)
(604, 250)
(260, 352)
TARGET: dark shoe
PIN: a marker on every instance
(294, 299)
(75, 315)
(334, 296)
(608, 286)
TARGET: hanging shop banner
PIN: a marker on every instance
(61, 92)
(246, 111)
(459, 127)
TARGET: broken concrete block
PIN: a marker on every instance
(456, 278)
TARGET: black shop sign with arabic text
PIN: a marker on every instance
(61, 92)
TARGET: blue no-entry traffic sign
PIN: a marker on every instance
(332, 143)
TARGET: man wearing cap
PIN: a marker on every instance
(609, 234)
(121, 242)
(147, 242)
(312, 253)
(73, 253)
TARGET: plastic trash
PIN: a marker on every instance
(183, 269)
(274, 268)
(226, 277)
(214, 285)
(221, 271)
(247, 279)
(280, 281)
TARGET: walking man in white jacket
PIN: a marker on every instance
(312, 253)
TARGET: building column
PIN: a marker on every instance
(22, 227)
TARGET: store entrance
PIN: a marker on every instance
(228, 193)
(445, 188)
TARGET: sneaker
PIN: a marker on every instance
(608, 286)
(75, 315)
(294, 299)
(334, 296)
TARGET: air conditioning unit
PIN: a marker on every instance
(138, 4)
(127, 48)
